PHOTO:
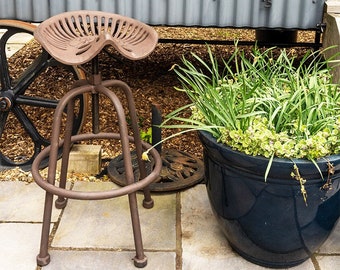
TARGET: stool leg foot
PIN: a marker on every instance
(148, 204)
(60, 203)
(140, 263)
(43, 261)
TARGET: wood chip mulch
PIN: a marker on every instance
(150, 79)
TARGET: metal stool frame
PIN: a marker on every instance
(126, 42)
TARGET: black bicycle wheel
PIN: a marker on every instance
(31, 84)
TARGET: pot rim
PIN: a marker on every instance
(303, 164)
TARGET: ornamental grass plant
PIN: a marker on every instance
(266, 104)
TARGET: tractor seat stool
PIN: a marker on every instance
(74, 38)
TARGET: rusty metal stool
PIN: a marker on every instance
(74, 38)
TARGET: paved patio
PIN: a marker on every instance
(180, 232)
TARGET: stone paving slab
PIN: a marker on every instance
(328, 257)
(332, 244)
(329, 262)
(90, 260)
(19, 245)
(97, 234)
(20, 201)
(107, 223)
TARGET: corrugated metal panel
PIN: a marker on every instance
(302, 14)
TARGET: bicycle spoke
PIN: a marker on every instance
(3, 119)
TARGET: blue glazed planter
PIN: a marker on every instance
(268, 223)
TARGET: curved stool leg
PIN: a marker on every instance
(43, 258)
(61, 202)
(140, 259)
(148, 201)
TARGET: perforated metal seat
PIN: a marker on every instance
(76, 37)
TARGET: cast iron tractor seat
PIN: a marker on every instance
(74, 38)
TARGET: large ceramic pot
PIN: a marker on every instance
(268, 223)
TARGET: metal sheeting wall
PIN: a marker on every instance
(291, 14)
